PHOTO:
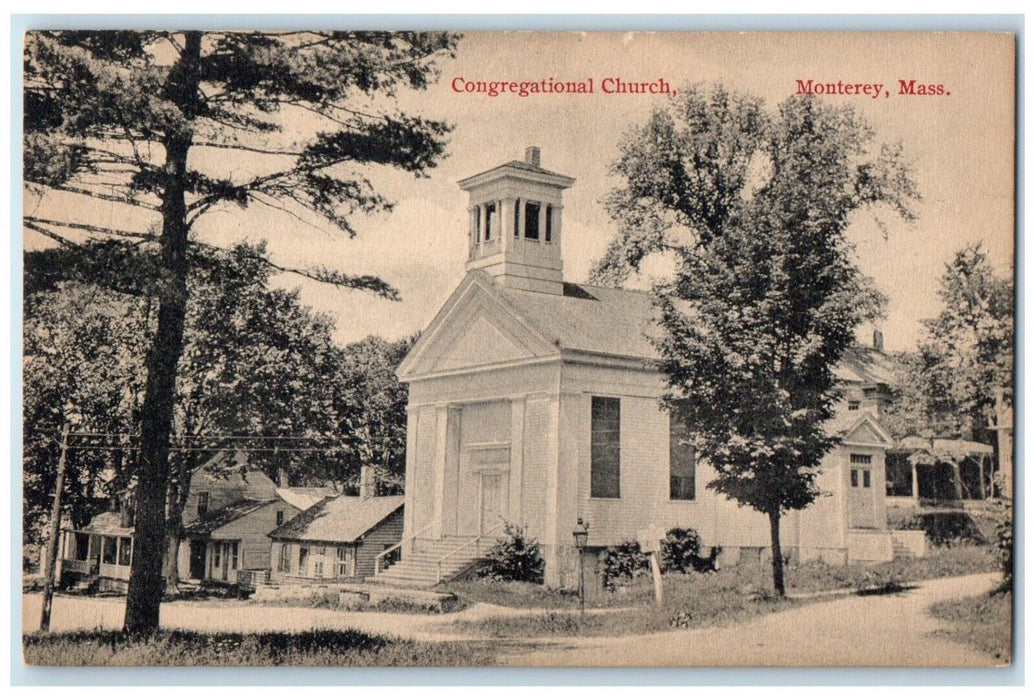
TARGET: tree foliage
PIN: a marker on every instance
(966, 352)
(753, 206)
(143, 121)
(371, 409)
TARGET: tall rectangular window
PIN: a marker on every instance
(345, 561)
(285, 557)
(202, 503)
(517, 217)
(233, 555)
(682, 464)
(549, 223)
(532, 220)
(605, 450)
(490, 219)
(303, 561)
(125, 550)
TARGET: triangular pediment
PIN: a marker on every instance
(476, 328)
(867, 431)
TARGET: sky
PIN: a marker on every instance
(961, 144)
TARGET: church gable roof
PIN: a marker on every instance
(484, 323)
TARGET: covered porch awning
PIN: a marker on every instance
(940, 469)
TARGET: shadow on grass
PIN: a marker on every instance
(889, 588)
(183, 648)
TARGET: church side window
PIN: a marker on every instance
(605, 459)
(682, 462)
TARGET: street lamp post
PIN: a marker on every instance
(581, 535)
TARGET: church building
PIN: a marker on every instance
(535, 401)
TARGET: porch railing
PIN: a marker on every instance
(250, 579)
(475, 541)
(379, 560)
(79, 566)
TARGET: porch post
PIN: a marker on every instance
(981, 476)
(916, 483)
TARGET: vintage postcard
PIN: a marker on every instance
(673, 349)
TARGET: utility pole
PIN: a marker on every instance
(55, 533)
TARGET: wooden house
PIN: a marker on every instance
(337, 539)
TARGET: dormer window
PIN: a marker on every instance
(853, 405)
(532, 210)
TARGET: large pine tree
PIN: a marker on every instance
(127, 118)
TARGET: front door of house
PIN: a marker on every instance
(861, 504)
(197, 559)
(491, 501)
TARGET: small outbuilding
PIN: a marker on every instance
(338, 539)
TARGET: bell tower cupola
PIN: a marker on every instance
(515, 231)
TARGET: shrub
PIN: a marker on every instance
(947, 528)
(680, 550)
(514, 557)
(1004, 546)
(623, 563)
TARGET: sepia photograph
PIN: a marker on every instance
(517, 348)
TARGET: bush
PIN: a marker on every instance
(680, 550)
(623, 563)
(1004, 546)
(514, 557)
(947, 528)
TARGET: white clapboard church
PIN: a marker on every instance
(536, 401)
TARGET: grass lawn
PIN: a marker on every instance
(982, 621)
(179, 648)
(730, 595)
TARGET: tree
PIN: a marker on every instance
(372, 409)
(753, 207)
(127, 118)
(966, 352)
(256, 362)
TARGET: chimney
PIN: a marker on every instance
(283, 480)
(367, 482)
(532, 155)
(878, 340)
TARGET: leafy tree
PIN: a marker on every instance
(128, 118)
(966, 352)
(753, 207)
(256, 362)
(372, 410)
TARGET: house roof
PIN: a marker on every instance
(304, 497)
(107, 524)
(213, 520)
(338, 519)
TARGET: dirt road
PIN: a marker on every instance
(889, 630)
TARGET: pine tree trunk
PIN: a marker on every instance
(144, 597)
(774, 534)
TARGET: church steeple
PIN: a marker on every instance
(515, 224)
